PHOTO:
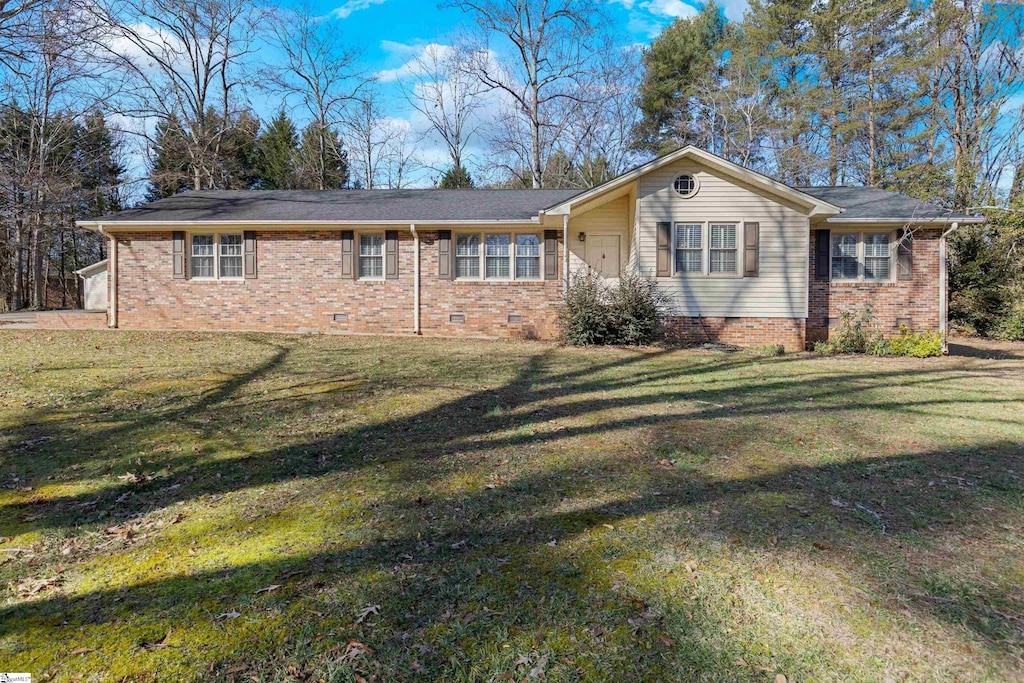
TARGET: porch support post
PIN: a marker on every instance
(944, 287)
(112, 272)
(565, 253)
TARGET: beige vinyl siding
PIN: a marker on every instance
(781, 288)
(611, 218)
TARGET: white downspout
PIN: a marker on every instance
(944, 286)
(112, 277)
(416, 279)
(565, 253)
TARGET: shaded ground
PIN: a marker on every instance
(283, 508)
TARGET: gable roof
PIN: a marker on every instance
(815, 205)
(871, 204)
(342, 206)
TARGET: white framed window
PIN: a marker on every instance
(689, 248)
(203, 260)
(527, 257)
(862, 256)
(231, 256)
(371, 255)
(467, 256)
(498, 253)
(723, 247)
(504, 256)
(216, 256)
(877, 256)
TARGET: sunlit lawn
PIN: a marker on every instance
(282, 508)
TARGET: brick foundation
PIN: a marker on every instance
(916, 301)
(299, 288)
(789, 332)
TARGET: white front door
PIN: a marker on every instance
(603, 254)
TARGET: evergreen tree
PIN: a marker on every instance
(456, 179)
(324, 160)
(687, 52)
(277, 161)
(169, 164)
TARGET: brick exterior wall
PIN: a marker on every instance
(916, 300)
(737, 331)
(299, 288)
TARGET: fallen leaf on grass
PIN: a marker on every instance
(821, 546)
(367, 611)
(270, 588)
(229, 615)
(355, 649)
(607, 526)
(82, 650)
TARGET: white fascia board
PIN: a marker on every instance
(108, 225)
(93, 268)
(839, 220)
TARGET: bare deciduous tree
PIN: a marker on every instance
(184, 59)
(321, 73)
(543, 63)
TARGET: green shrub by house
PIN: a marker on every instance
(907, 343)
(593, 313)
(1011, 327)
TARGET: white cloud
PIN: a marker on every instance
(432, 53)
(670, 8)
(734, 9)
(353, 6)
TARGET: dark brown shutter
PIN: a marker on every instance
(550, 254)
(178, 252)
(751, 247)
(821, 254)
(905, 255)
(348, 269)
(249, 253)
(664, 249)
(444, 254)
(391, 255)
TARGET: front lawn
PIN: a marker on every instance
(242, 507)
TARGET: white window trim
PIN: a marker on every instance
(696, 185)
(861, 252)
(705, 249)
(383, 255)
(216, 257)
(513, 255)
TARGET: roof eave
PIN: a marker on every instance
(943, 220)
(106, 225)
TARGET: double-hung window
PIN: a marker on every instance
(689, 247)
(216, 256)
(527, 257)
(371, 255)
(862, 256)
(723, 247)
(497, 256)
(467, 256)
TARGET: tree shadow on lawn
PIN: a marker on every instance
(459, 547)
(445, 582)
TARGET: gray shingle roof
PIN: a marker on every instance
(402, 206)
(346, 205)
(873, 203)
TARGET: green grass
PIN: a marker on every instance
(184, 507)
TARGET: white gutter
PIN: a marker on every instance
(415, 280)
(536, 220)
(565, 253)
(944, 287)
(903, 221)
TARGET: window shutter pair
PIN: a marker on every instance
(348, 255)
(179, 260)
(446, 255)
(751, 249)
